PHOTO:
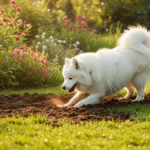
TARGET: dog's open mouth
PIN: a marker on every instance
(72, 89)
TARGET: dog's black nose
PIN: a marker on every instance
(63, 87)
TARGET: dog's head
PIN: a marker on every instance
(75, 76)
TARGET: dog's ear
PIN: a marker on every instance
(67, 60)
(75, 63)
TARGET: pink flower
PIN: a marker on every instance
(12, 53)
(30, 72)
(5, 19)
(18, 9)
(25, 31)
(12, 19)
(64, 25)
(22, 47)
(2, 11)
(96, 36)
(19, 33)
(27, 66)
(84, 25)
(24, 22)
(70, 19)
(24, 54)
(43, 70)
(74, 27)
(65, 18)
(17, 51)
(41, 74)
(17, 38)
(13, 2)
(79, 26)
(21, 61)
(11, 24)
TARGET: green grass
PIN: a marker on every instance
(55, 90)
(37, 133)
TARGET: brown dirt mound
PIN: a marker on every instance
(45, 104)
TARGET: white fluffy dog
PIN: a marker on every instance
(108, 71)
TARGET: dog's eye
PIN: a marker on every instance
(70, 78)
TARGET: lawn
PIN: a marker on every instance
(38, 133)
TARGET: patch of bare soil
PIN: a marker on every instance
(45, 104)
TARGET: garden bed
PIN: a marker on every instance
(45, 105)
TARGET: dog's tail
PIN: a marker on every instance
(136, 38)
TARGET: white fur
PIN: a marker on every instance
(108, 71)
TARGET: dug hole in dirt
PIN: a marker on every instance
(45, 104)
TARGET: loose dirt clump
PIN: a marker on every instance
(45, 104)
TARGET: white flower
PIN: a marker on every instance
(29, 26)
(37, 46)
(38, 43)
(77, 42)
(20, 21)
(44, 46)
(59, 41)
(44, 33)
(36, 36)
(43, 36)
(51, 37)
(64, 41)
(47, 40)
(52, 40)
(55, 44)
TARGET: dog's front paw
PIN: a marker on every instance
(78, 105)
(61, 106)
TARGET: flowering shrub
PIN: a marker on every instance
(10, 24)
(89, 39)
(55, 49)
(22, 65)
(78, 30)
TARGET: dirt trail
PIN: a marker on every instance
(45, 104)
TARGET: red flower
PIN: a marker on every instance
(25, 22)
(5, 19)
(96, 36)
(64, 25)
(86, 20)
(13, 2)
(79, 15)
(20, 61)
(1, 24)
(2, 11)
(70, 26)
(18, 9)
(11, 24)
(17, 38)
(15, 23)
(70, 19)
(25, 31)
(22, 47)
(79, 26)
(19, 33)
(84, 25)
(74, 27)
(88, 29)
(65, 18)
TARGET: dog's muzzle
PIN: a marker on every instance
(72, 89)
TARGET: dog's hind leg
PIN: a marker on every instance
(130, 90)
(139, 82)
